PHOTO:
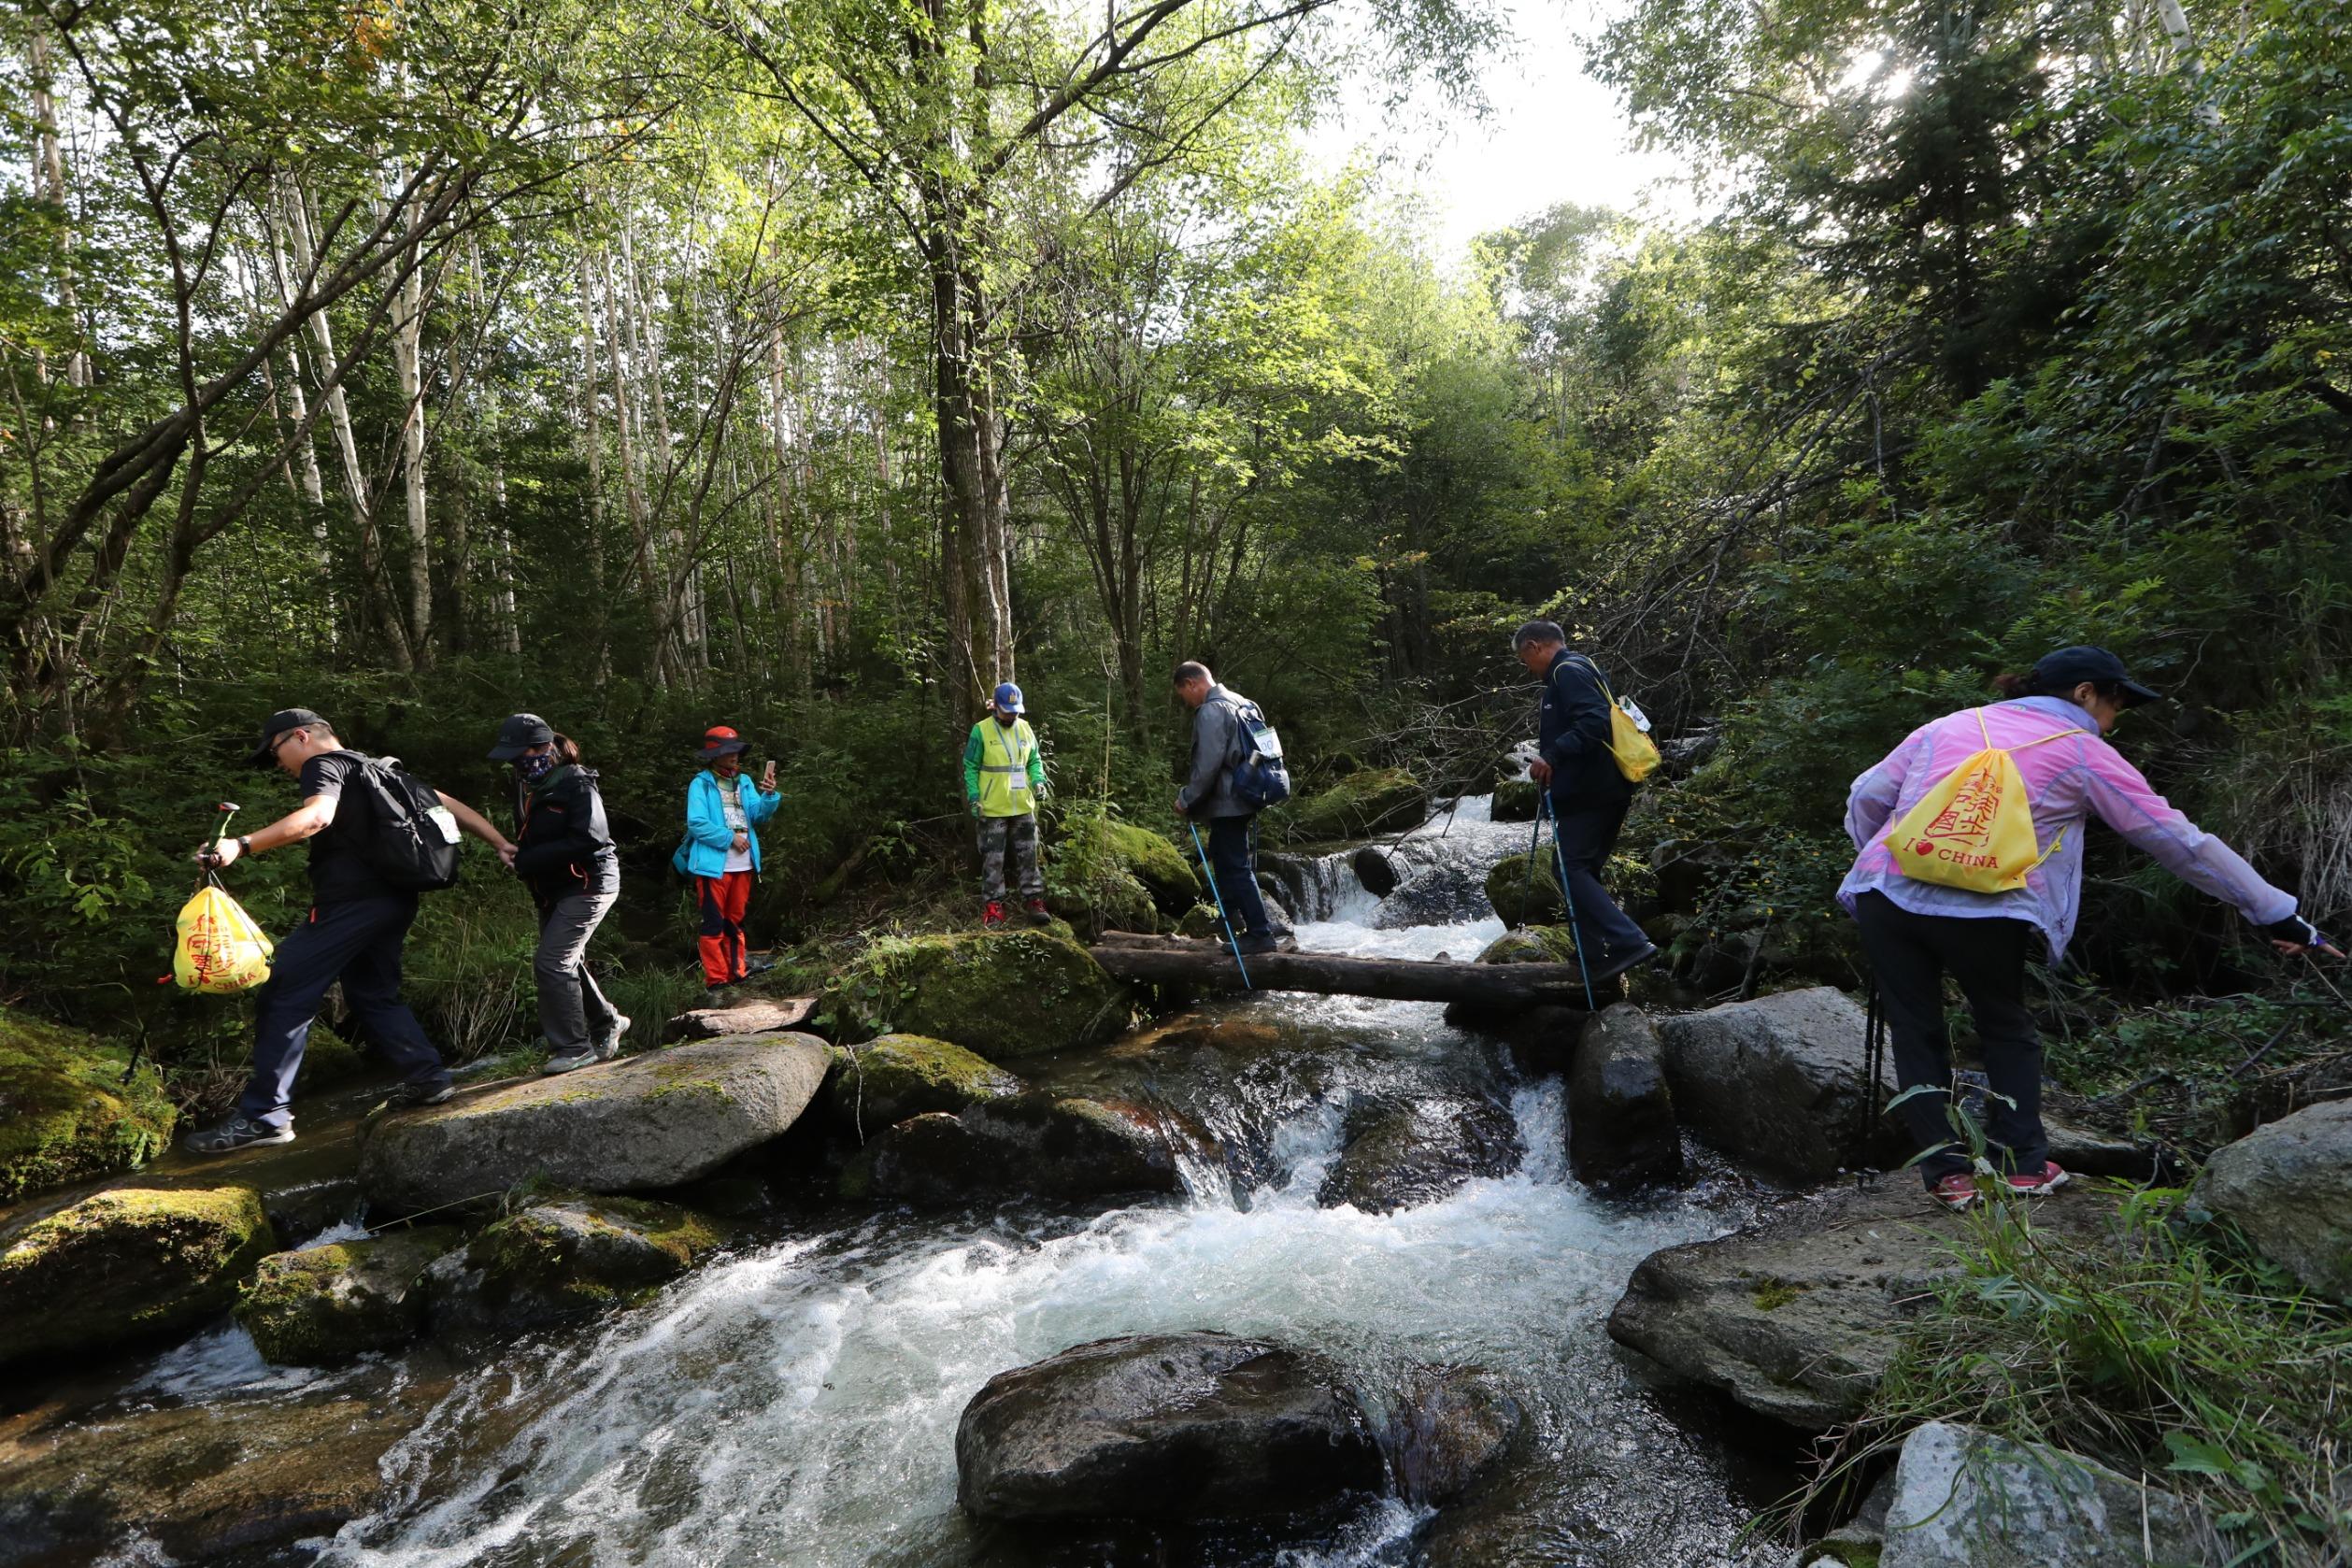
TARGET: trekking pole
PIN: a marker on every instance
(227, 808)
(1535, 839)
(1559, 858)
(1222, 918)
(1873, 1062)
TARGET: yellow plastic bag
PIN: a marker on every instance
(1974, 829)
(1630, 746)
(221, 951)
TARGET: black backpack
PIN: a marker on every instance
(410, 839)
(1260, 779)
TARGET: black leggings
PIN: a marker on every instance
(1910, 954)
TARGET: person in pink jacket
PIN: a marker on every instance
(1914, 931)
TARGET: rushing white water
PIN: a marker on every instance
(798, 1404)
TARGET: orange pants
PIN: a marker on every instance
(725, 899)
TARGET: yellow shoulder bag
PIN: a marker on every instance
(1974, 829)
(1630, 746)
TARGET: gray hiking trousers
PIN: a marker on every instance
(573, 1013)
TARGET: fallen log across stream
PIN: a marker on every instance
(1176, 959)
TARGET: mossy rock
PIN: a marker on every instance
(1033, 1144)
(1111, 876)
(66, 1114)
(1154, 860)
(328, 1060)
(1536, 944)
(1515, 801)
(564, 1259)
(1203, 923)
(1507, 887)
(901, 1076)
(127, 1263)
(1110, 901)
(1376, 800)
(1002, 993)
(329, 1303)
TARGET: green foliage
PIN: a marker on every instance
(71, 1107)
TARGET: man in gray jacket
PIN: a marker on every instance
(1218, 739)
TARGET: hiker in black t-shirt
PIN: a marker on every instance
(354, 933)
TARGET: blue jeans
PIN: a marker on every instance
(1232, 855)
(357, 942)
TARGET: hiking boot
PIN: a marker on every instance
(1616, 966)
(1957, 1191)
(608, 1045)
(992, 916)
(1254, 943)
(569, 1061)
(1038, 913)
(2035, 1184)
(408, 1096)
(240, 1132)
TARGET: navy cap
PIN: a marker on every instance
(1007, 698)
(275, 727)
(519, 733)
(2071, 666)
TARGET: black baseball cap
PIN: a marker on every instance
(276, 725)
(519, 733)
(2071, 666)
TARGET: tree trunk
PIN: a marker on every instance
(408, 367)
(972, 523)
(50, 186)
(1174, 959)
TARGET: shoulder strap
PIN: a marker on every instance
(1986, 732)
(1598, 678)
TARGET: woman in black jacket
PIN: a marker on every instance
(564, 852)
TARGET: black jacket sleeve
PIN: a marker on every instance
(566, 829)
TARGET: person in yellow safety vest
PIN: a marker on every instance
(1003, 777)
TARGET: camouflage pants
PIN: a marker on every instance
(1016, 836)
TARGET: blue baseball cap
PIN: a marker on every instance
(1008, 698)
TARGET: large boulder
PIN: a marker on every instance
(66, 1112)
(1778, 1080)
(330, 1304)
(2289, 1187)
(645, 1122)
(885, 1081)
(564, 1259)
(1153, 859)
(1621, 1127)
(1376, 800)
(1404, 1153)
(1798, 1318)
(126, 1263)
(1448, 1427)
(1374, 871)
(1033, 1144)
(1002, 993)
(1106, 875)
(1175, 1427)
(1965, 1498)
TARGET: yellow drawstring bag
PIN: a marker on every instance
(1974, 829)
(221, 951)
(1630, 746)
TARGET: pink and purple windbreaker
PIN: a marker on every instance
(2066, 781)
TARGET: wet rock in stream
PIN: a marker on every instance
(1033, 1144)
(888, 1081)
(125, 1263)
(561, 1261)
(1621, 1127)
(1177, 1427)
(642, 1122)
(329, 1303)
(1778, 1080)
(1403, 1153)
(1448, 1428)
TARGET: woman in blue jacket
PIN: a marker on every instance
(722, 850)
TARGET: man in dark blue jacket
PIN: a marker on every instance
(1589, 797)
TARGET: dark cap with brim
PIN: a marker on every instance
(2071, 666)
(518, 732)
(721, 741)
(277, 724)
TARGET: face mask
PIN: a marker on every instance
(532, 768)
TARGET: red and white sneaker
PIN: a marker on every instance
(1957, 1191)
(2034, 1184)
(994, 916)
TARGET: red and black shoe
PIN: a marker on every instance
(2036, 1184)
(992, 916)
(1037, 912)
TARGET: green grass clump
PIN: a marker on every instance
(2166, 1347)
